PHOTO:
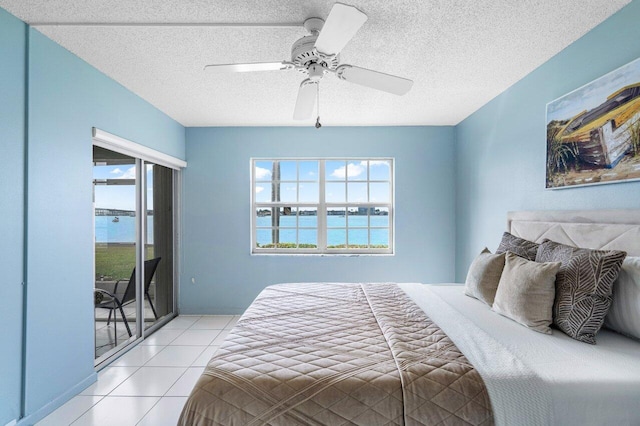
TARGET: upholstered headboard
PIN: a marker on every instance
(596, 229)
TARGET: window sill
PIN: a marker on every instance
(323, 254)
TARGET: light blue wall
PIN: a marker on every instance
(501, 148)
(66, 98)
(12, 136)
(217, 211)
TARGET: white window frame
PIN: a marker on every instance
(323, 206)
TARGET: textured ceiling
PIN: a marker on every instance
(460, 53)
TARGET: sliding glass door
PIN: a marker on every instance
(134, 248)
(159, 246)
(115, 206)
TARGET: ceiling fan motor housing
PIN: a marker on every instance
(303, 52)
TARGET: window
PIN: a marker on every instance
(322, 205)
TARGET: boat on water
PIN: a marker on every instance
(601, 134)
(116, 219)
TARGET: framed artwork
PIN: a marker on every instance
(593, 133)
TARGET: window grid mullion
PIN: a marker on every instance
(369, 200)
(322, 207)
(254, 220)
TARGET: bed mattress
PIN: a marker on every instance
(337, 354)
(534, 378)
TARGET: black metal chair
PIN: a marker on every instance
(114, 303)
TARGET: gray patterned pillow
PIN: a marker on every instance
(583, 287)
(516, 245)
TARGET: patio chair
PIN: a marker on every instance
(113, 302)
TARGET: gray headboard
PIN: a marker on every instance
(596, 229)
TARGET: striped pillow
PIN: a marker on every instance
(583, 287)
(624, 315)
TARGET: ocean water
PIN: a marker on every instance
(336, 230)
(122, 231)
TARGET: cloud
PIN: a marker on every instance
(262, 173)
(129, 174)
(376, 163)
(116, 171)
(352, 170)
(259, 189)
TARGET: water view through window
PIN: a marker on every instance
(322, 205)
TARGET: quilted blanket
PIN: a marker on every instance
(337, 354)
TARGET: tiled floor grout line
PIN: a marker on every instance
(88, 409)
(127, 378)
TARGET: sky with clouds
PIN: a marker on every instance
(346, 181)
(594, 93)
(341, 178)
(121, 197)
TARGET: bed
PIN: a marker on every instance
(415, 354)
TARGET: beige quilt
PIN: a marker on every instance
(337, 354)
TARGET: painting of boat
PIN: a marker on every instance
(601, 135)
(593, 133)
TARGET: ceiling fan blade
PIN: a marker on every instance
(255, 66)
(306, 100)
(374, 79)
(341, 25)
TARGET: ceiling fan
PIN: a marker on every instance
(318, 54)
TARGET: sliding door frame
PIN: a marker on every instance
(141, 243)
(144, 155)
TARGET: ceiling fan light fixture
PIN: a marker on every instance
(316, 72)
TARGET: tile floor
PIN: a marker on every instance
(149, 384)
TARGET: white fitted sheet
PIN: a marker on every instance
(533, 378)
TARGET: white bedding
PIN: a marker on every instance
(533, 378)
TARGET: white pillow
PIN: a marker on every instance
(624, 314)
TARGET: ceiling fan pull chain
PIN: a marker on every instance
(318, 125)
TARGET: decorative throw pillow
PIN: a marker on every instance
(624, 315)
(583, 287)
(526, 291)
(520, 246)
(484, 275)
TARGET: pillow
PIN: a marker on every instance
(483, 276)
(520, 246)
(583, 287)
(526, 291)
(624, 315)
